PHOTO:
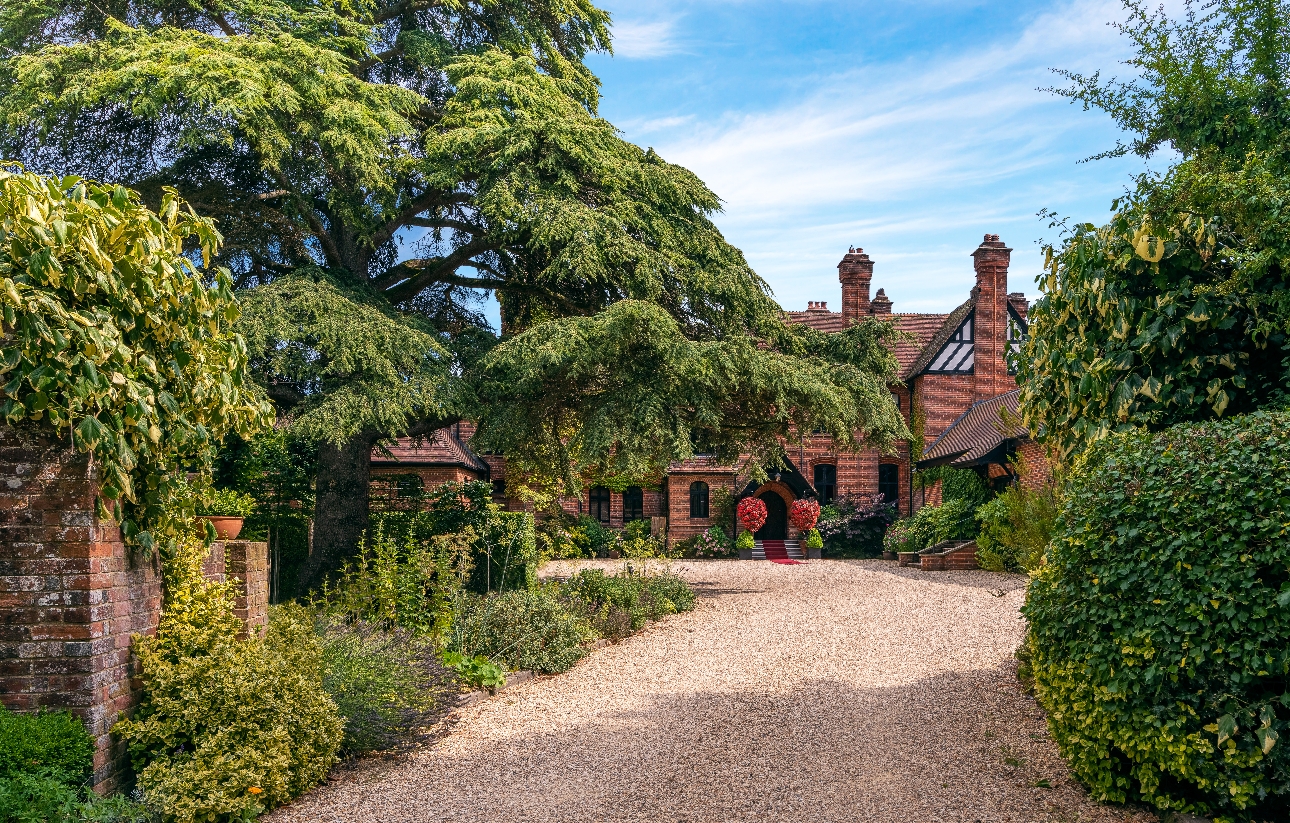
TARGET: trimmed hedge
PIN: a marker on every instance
(1160, 625)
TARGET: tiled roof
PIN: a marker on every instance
(949, 324)
(442, 448)
(921, 326)
(818, 319)
(976, 437)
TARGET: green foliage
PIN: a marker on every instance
(620, 605)
(712, 543)
(855, 525)
(30, 798)
(386, 683)
(276, 469)
(1016, 528)
(814, 540)
(1178, 309)
(745, 541)
(114, 338)
(952, 520)
(407, 583)
(1160, 623)
(636, 542)
(521, 629)
(225, 503)
(226, 728)
(342, 360)
(50, 744)
(627, 393)
(479, 672)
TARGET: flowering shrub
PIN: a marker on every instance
(803, 514)
(854, 526)
(713, 543)
(752, 513)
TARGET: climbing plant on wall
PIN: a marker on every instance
(117, 340)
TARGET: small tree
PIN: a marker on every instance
(113, 337)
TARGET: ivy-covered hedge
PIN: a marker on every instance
(1160, 624)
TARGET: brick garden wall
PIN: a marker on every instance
(72, 594)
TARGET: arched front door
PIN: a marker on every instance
(776, 525)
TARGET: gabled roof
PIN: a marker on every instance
(922, 328)
(441, 448)
(979, 436)
(948, 327)
(819, 319)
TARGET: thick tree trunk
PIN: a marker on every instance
(340, 508)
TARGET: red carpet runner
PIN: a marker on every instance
(776, 553)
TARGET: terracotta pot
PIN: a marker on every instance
(226, 528)
(614, 554)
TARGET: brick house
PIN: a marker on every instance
(954, 389)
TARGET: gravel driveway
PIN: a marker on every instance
(830, 691)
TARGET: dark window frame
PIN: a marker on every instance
(633, 504)
(599, 504)
(700, 494)
(826, 486)
(889, 487)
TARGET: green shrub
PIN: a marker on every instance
(1016, 528)
(226, 728)
(952, 520)
(403, 582)
(386, 683)
(50, 744)
(619, 605)
(504, 556)
(636, 541)
(30, 798)
(478, 671)
(854, 526)
(523, 629)
(225, 503)
(1160, 623)
(745, 541)
(814, 540)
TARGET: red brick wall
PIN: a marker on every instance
(680, 526)
(72, 595)
(1038, 471)
(943, 399)
(856, 273)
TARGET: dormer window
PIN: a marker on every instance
(958, 354)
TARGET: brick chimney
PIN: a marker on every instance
(991, 326)
(880, 305)
(1019, 303)
(856, 272)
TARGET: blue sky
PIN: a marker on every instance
(908, 128)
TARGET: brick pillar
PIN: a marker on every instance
(855, 273)
(246, 566)
(71, 594)
(991, 322)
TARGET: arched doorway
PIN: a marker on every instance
(776, 525)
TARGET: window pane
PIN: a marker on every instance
(599, 509)
(698, 499)
(826, 482)
(633, 504)
(889, 481)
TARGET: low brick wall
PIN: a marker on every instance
(72, 595)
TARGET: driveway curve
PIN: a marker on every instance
(828, 691)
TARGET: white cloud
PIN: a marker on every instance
(643, 39)
(911, 160)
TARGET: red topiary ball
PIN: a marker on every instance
(803, 514)
(752, 513)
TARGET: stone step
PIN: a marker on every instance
(791, 547)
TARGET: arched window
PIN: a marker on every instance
(698, 499)
(633, 504)
(826, 482)
(599, 504)
(889, 481)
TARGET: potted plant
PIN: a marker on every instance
(814, 545)
(744, 542)
(225, 510)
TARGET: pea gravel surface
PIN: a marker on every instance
(828, 691)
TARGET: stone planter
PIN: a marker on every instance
(226, 528)
(815, 554)
(886, 555)
(745, 554)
